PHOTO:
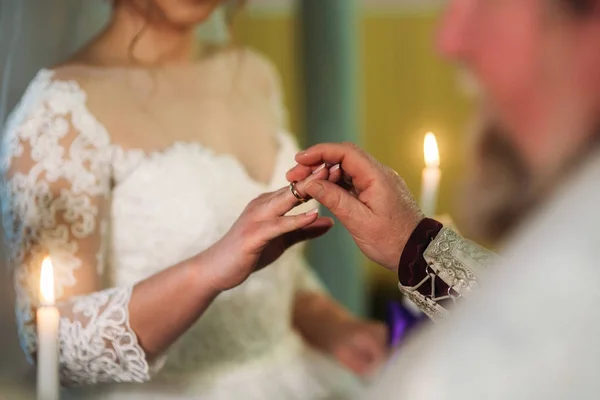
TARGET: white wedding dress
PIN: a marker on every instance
(124, 215)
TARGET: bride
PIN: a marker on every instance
(138, 165)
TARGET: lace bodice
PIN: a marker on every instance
(111, 217)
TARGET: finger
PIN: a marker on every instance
(371, 349)
(274, 228)
(282, 201)
(322, 172)
(345, 177)
(359, 165)
(301, 172)
(367, 355)
(345, 182)
(276, 204)
(348, 209)
(317, 229)
(335, 173)
(348, 358)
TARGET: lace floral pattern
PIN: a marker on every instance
(55, 183)
(98, 321)
(458, 262)
(58, 199)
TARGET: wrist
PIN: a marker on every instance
(203, 275)
(400, 241)
(412, 265)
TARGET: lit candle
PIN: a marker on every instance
(47, 333)
(431, 176)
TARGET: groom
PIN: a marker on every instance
(532, 328)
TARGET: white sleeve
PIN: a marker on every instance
(55, 186)
(458, 262)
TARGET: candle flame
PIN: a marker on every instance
(432, 154)
(47, 282)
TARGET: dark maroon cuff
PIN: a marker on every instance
(413, 267)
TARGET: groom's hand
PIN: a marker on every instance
(368, 198)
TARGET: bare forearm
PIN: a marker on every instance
(165, 305)
(311, 309)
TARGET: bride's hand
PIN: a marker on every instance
(261, 234)
(359, 345)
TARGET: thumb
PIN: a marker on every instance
(316, 190)
(338, 200)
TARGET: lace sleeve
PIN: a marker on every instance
(55, 183)
(266, 78)
(452, 261)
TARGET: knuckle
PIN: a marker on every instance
(262, 198)
(283, 223)
(337, 203)
(271, 201)
(252, 205)
(355, 148)
(350, 145)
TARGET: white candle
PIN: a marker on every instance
(431, 176)
(47, 333)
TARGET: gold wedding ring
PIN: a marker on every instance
(297, 195)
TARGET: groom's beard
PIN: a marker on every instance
(499, 188)
(497, 191)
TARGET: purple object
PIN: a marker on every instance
(400, 321)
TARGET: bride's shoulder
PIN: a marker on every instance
(52, 94)
(84, 78)
(66, 87)
(51, 85)
(251, 67)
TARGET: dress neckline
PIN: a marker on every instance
(48, 77)
(217, 157)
